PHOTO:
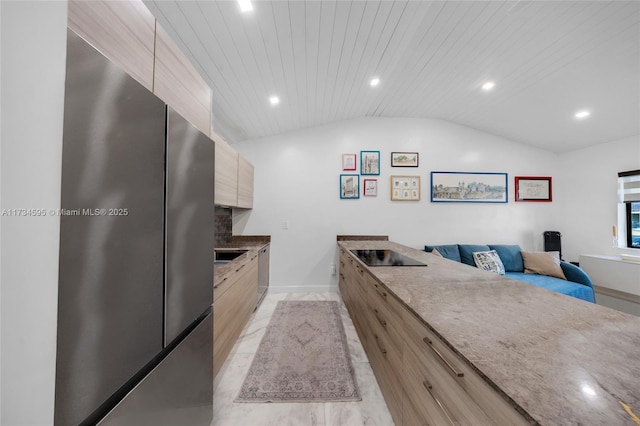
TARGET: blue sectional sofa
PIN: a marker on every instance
(578, 284)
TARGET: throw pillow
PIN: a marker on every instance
(436, 252)
(488, 261)
(543, 263)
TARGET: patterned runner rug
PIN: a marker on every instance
(303, 357)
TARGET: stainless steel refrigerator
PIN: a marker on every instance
(136, 245)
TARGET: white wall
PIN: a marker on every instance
(587, 196)
(297, 180)
(33, 48)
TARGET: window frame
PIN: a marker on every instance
(629, 223)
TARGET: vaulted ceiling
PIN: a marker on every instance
(548, 59)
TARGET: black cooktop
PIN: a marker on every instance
(385, 258)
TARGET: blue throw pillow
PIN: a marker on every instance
(466, 252)
(510, 256)
(447, 251)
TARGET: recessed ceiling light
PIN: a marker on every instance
(374, 82)
(488, 86)
(245, 5)
(274, 100)
(582, 114)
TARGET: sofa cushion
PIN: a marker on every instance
(466, 252)
(510, 256)
(543, 263)
(555, 284)
(488, 261)
(447, 251)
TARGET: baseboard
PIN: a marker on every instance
(303, 289)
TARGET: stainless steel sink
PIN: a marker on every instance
(227, 255)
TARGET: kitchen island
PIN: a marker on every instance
(553, 359)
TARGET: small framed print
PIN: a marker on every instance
(370, 188)
(404, 159)
(405, 188)
(369, 162)
(348, 162)
(349, 186)
(533, 188)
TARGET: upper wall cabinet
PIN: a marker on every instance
(226, 185)
(245, 183)
(122, 31)
(179, 84)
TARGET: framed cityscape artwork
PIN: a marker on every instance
(369, 162)
(463, 187)
(349, 186)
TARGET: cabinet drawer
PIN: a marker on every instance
(386, 362)
(386, 322)
(438, 401)
(458, 385)
(386, 300)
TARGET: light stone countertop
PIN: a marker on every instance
(557, 359)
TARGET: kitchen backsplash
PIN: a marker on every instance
(224, 225)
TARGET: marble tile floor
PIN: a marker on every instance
(371, 411)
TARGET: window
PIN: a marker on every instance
(633, 225)
(629, 194)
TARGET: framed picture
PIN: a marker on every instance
(349, 186)
(463, 187)
(348, 162)
(405, 188)
(404, 159)
(370, 187)
(533, 188)
(369, 162)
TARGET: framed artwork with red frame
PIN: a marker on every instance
(533, 188)
(349, 162)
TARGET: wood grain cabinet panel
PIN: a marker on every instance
(226, 175)
(123, 31)
(178, 84)
(232, 309)
(245, 183)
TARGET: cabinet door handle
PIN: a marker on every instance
(443, 359)
(452, 420)
(241, 266)
(382, 349)
(383, 323)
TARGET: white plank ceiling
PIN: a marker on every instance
(548, 59)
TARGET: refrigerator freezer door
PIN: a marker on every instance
(179, 391)
(110, 298)
(190, 225)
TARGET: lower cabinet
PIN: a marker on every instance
(232, 309)
(422, 380)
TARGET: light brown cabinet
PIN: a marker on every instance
(128, 34)
(226, 175)
(234, 299)
(422, 380)
(123, 31)
(245, 183)
(234, 177)
(178, 84)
